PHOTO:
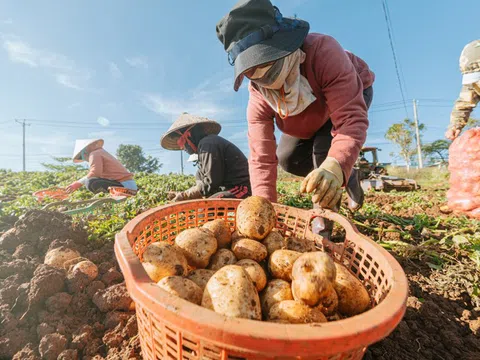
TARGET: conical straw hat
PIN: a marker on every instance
(169, 139)
(82, 144)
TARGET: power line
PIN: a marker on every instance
(387, 21)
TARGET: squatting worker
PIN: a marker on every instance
(470, 93)
(222, 167)
(315, 92)
(105, 169)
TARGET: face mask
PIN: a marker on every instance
(82, 155)
(266, 77)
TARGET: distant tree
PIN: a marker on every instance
(63, 164)
(133, 158)
(403, 135)
(472, 123)
(437, 150)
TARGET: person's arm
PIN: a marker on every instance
(462, 109)
(211, 168)
(263, 160)
(343, 91)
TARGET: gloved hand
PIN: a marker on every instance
(175, 196)
(325, 182)
(74, 187)
(452, 133)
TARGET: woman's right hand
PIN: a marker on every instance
(452, 133)
(73, 187)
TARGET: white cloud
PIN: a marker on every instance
(115, 70)
(73, 105)
(140, 62)
(64, 70)
(240, 135)
(7, 22)
(103, 121)
(174, 107)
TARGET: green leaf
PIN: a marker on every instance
(434, 266)
(460, 240)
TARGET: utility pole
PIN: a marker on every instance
(181, 160)
(24, 124)
(417, 131)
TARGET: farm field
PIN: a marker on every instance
(439, 251)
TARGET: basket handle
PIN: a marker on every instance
(350, 229)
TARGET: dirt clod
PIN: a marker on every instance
(52, 345)
(113, 298)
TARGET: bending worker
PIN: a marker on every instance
(222, 167)
(311, 88)
(470, 93)
(105, 169)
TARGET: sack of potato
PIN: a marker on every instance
(254, 272)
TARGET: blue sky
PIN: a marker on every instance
(124, 70)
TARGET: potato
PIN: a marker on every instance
(231, 292)
(236, 236)
(182, 287)
(353, 298)
(88, 268)
(221, 231)
(274, 241)
(256, 217)
(255, 271)
(221, 258)
(300, 245)
(249, 249)
(281, 262)
(312, 275)
(276, 290)
(198, 245)
(161, 259)
(329, 303)
(201, 277)
(59, 256)
(295, 312)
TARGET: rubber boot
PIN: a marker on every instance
(355, 195)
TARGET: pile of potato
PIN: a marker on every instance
(254, 272)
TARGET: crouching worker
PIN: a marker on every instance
(105, 169)
(222, 167)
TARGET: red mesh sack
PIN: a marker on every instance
(464, 167)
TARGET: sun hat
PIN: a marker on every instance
(193, 158)
(254, 32)
(169, 139)
(82, 144)
(470, 62)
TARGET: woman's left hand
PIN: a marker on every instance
(73, 187)
(325, 183)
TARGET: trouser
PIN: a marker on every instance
(96, 185)
(237, 192)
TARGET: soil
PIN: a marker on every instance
(49, 313)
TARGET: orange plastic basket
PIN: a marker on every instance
(121, 191)
(53, 193)
(172, 328)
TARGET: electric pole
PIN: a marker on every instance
(24, 124)
(417, 131)
(181, 160)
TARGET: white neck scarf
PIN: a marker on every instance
(291, 93)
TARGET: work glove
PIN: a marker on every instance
(325, 183)
(452, 133)
(73, 187)
(192, 193)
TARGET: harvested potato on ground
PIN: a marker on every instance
(274, 241)
(255, 271)
(276, 291)
(161, 259)
(231, 292)
(300, 245)
(295, 312)
(183, 288)
(249, 249)
(88, 268)
(312, 276)
(329, 302)
(198, 245)
(201, 277)
(256, 217)
(281, 262)
(221, 258)
(59, 256)
(221, 231)
(353, 298)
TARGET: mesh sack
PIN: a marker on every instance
(464, 167)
